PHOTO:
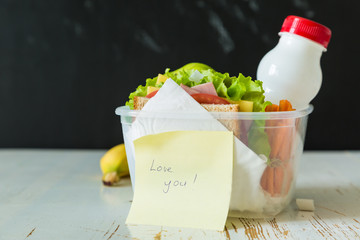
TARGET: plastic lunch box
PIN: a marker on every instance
(284, 132)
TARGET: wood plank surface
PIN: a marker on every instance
(58, 194)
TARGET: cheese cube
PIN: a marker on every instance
(246, 106)
(161, 79)
(305, 204)
(151, 89)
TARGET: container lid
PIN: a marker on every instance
(308, 29)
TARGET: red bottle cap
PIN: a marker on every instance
(307, 28)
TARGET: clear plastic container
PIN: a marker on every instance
(270, 184)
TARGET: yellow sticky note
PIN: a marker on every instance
(183, 179)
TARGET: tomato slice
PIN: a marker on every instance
(153, 93)
(209, 99)
(200, 98)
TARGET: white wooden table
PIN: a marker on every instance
(58, 194)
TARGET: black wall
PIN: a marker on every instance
(66, 65)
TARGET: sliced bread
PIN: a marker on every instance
(231, 124)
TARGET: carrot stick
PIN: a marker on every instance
(278, 179)
(272, 108)
(285, 105)
(280, 135)
(289, 174)
(288, 148)
(270, 181)
(271, 132)
(267, 180)
(277, 142)
(284, 152)
(263, 181)
(271, 123)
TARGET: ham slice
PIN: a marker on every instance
(189, 90)
(207, 88)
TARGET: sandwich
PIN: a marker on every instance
(215, 91)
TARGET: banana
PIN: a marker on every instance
(114, 165)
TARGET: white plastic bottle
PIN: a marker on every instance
(292, 69)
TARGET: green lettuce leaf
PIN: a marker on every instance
(140, 91)
(231, 88)
(258, 139)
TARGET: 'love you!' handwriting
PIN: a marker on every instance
(173, 183)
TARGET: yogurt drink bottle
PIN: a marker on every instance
(292, 69)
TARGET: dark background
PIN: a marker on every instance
(66, 65)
